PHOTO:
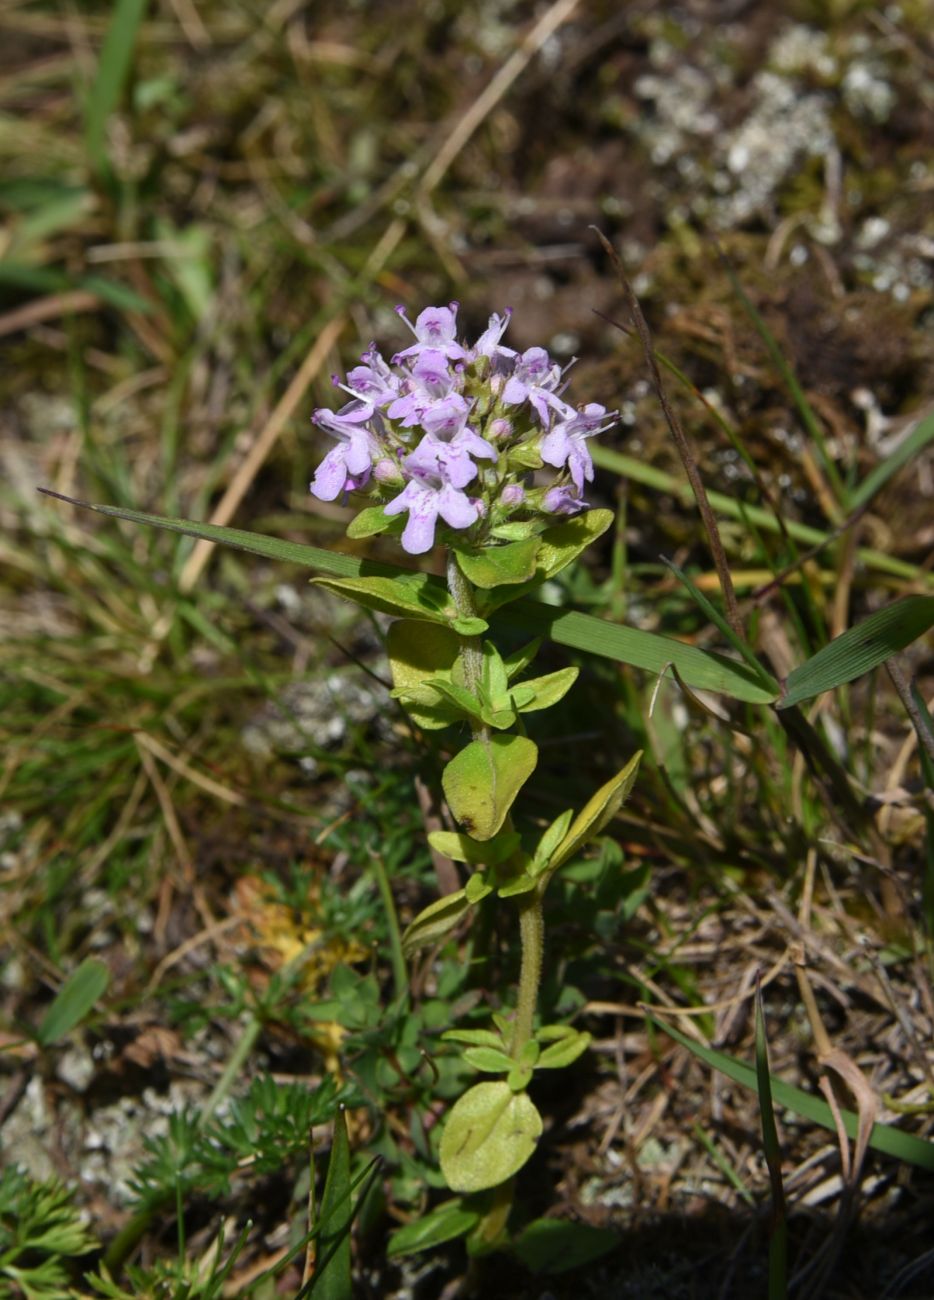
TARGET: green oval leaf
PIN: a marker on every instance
(405, 599)
(558, 546)
(473, 1037)
(426, 709)
(563, 1052)
(461, 848)
(435, 921)
(477, 888)
(444, 1223)
(490, 1133)
(481, 782)
(371, 521)
(523, 884)
(470, 626)
(418, 651)
(556, 1246)
(860, 649)
(564, 542)
(519, 1077)
(458, 697)
(604, 805)
(73, 1001)
(492, 1060)
(498, 566)
(552, 837)
(548, 690)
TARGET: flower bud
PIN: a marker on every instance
(387, 471)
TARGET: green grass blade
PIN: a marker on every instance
(112, 72)
(659, 480)
(73, 1001)
(46, 279)
(778, 1225)
(700, 669)
(332, 1277)
(860, 649)
(711, 612)
(720, 1160)
(272, 548)
(63, 210)
(884, 1137)
(361, 1184)
(445, 1222)
(916, 441)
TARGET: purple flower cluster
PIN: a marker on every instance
(457, 431)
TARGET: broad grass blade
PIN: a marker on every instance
(711, 612)
(917, 440)
(332, 1277)
(860, 649)
(112, 72)
(891, 1141)
(660, 480)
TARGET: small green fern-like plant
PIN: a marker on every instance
(41, 1231)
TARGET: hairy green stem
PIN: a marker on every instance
(532, 934)
(471, 651)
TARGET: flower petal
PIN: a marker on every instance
(331, 475)
(418, 536)
(556, 447)
(456, 508)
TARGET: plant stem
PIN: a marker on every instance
(471, 652)
(531, 918)
(233, 1069)
(532, 935)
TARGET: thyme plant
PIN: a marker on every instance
(477, 447)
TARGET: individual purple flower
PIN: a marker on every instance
(488, 344)
(513, 494)
(535, 380)
(346, 467)
(566, 443)
(450, 460)
(373, 381)
(430, 380)
(449, 443)
(434, 328)
(426, 497)
(562, 500)
(446, 418)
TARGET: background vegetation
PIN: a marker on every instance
(206, 209)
